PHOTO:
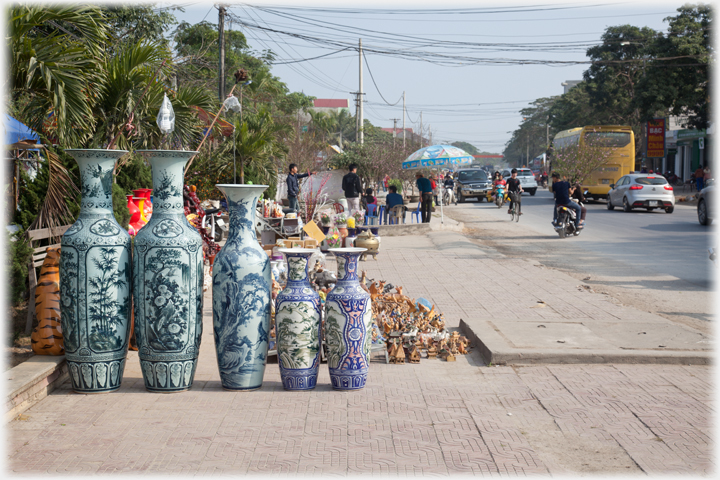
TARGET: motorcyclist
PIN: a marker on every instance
(497, 180)
(449, 185)
(513, 185)
(562, 191)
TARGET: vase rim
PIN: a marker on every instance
(166, 151)
(297, 250)
(239, 185)
(348, 250)
(105, 150)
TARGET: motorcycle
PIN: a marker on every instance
(566, 221)
(500, 196)
(448, 196)
(671, 178)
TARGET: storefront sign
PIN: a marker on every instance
(656, 138)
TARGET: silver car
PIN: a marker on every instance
(641, 190)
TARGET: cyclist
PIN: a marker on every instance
(513, 185)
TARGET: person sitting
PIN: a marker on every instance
(577, 194)
(498, 180)
(392, 200)
(369, 198)
(562, 191)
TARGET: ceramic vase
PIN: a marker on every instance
(95, 280)
(168, 279)
(241, 294)
(297, 321)
(348, 320)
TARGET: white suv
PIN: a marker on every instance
(526, 177)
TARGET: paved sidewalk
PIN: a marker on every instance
(432, 418)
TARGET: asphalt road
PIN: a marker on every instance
(655, 258)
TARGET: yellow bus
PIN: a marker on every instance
(622, 161)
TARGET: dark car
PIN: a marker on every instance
(471, 183)
(704, 206)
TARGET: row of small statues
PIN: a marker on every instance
(446, 348)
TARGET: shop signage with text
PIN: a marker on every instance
(656, 138)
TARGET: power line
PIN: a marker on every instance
(376, 87)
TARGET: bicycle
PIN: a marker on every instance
(515, 211)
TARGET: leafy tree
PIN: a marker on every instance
(578, 162)
(680, 86)
(467, 147)
(530, 139)
(132, 23)
(19, 254)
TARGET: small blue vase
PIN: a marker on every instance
(348, 323)
(241, 294)
(297, 321)
(168, 279)
(95, 280)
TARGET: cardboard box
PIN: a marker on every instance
(311, 243)
(288, 243)
(297, 244)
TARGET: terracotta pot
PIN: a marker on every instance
(343, 234)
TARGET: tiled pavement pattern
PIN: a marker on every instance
(432, 418)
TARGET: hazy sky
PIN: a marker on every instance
(463, 100)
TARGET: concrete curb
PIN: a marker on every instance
(31, 381)
(495, 350)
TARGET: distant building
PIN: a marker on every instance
(568, 84)
(328, 105)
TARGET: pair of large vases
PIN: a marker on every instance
(101, 270)
(348, 320)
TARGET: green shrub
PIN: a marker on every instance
(134, 174)
(18, 258)
(397, 183)
(120, 209)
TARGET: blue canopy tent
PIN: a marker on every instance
(16, 131)
(434, 157)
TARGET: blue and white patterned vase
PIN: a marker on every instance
(241, 294)
(168, 280)
(95, 280)
(348, 320)
(297, 322)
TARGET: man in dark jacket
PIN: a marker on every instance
(293, 188)
(353, 188)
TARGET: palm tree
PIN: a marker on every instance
(55, 57)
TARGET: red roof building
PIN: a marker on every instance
(331, 103)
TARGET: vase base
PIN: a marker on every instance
(236, 389)
(167, 390)
(96, 392)
(348, 381)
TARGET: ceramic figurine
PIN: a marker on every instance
(95, 280)
(298, 321)
(241, 294)
(348, 323)
(168, 279)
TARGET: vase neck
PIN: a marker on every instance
(242, 207)
(168, 169)
(297, 270)
(96, 179)
(347, 263)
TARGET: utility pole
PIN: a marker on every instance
(221, 40)
(395, 120)
(421, 130)
(360, 100)
(527, 154)
(403, 119)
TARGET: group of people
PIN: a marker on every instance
(702, 175)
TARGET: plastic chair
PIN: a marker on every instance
(394, 215)
(416, 213)
(338, 207)
(381, 214)
(371, 214)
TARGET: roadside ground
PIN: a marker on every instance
(430, 418)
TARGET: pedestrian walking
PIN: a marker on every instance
(426, 195)
(353, 188)
(293, 187)
(386, 182)
(699, 177)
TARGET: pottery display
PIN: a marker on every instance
(46, 338)
(95, 283)
(168, 280)
(241, 294)
(297, 320)
(348, 324)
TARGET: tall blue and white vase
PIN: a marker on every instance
(241, 294)
(168, 279)
(348, 323)
(95, 280)
(297, 322)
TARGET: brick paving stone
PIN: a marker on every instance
(435, 418)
